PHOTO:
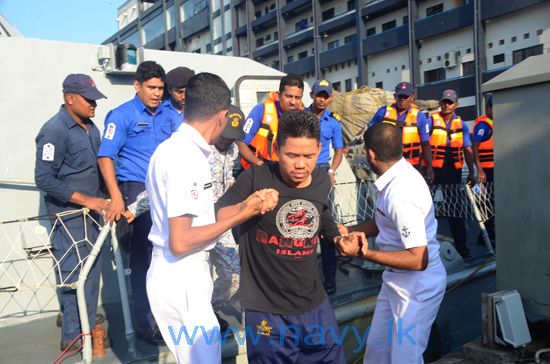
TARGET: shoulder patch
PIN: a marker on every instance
(48, 152)
(248, 125)
(110, 131)
(336, 116)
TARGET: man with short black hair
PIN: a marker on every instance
(414, 281)
(132, 133)
(280, 284)
(66, 171)
(451, 147)
(262, 123)
(179, 185)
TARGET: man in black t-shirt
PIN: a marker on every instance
(288, 315)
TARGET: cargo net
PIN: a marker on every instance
(353, 202)
(28, 261)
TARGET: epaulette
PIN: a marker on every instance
(336, 116)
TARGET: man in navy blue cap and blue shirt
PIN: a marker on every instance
(132, 133)
(331, 133)
(415, 127)
(66, 171)
(451, 147)
(174, 87)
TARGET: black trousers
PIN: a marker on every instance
(140, 257)
(328, 249)
(449, 175)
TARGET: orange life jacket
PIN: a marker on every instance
(409, 128)
(485, 150)
(263, 143)
(438, 141)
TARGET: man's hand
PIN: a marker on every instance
(116, 209)
(430, 175)
(261, 201)
(354, 244)
(471, 180)
(481, 176)
(97, 204)
(342, 230)
(129, 216)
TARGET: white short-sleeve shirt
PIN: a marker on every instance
(179, 182)
(405, 212)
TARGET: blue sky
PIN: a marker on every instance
(84, 21)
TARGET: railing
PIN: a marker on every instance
(26, 266)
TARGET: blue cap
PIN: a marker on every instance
(78, 83)
(404, 88)
(322, 85)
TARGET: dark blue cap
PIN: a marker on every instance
(78, 83)
(404, 88)
(450, 95)
(322, 85)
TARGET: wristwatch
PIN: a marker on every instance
(331, 171)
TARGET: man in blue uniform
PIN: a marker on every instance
(66, 171)
(132, 133)
(414, 125)
(175, 84)
(331, 133)
(262, 123)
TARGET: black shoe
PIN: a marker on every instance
(330, 286)
(150, 334)
(64, 344)
(99, 319)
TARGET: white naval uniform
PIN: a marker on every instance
(409, 300)
(180, 288)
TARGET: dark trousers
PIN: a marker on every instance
(310, 337)
(448, 175)
(71, 257)
(328, 249)
(140, 257)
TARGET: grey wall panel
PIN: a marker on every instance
(522, 157)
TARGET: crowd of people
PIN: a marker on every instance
(163, 171)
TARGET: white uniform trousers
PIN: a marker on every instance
(180, 293)
(406, 308)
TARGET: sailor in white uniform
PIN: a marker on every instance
(179, 185)
(405, 227)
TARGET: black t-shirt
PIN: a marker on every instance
(278, 250)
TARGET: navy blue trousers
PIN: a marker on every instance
(328, 249)
(69, 255)
(311, 337)
(140, 257)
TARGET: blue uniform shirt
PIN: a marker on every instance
(66, 160)
(132, 133)
(254, 120)
(170, 112)
(331, 132)
(423, 125)
(482, 132)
